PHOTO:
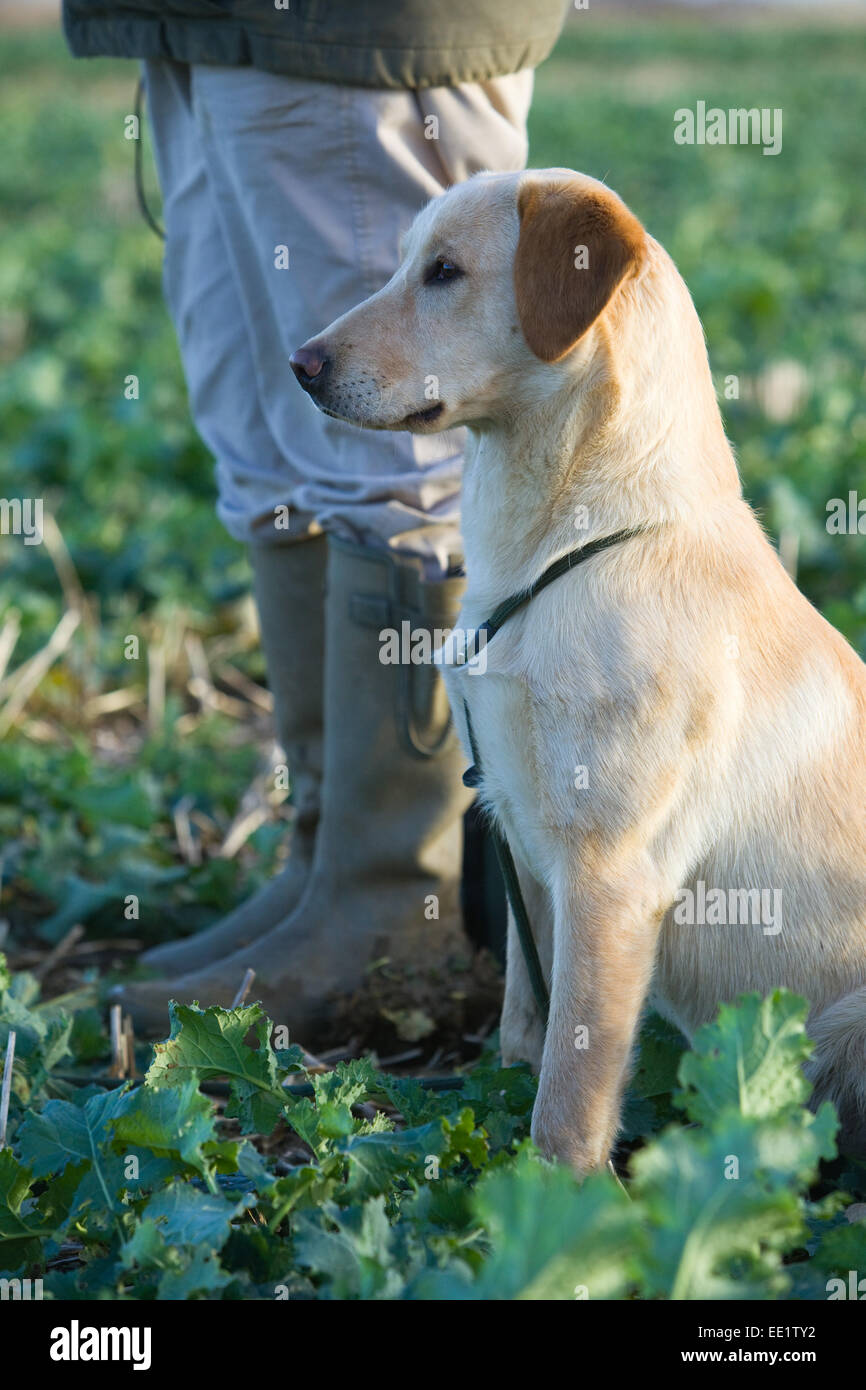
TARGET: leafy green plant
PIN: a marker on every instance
(146, 1191)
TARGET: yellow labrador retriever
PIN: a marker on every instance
(672, 738)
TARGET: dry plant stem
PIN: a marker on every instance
(63, 948)
(8, 638)
(230, 675)
(210, 698)
(155, 685)
(186, 841)
(241, 829)
(117, 1048)
(58, 552)
(6, 1092)
(196, 656)
(112, 701)
(789, 550)
(200, 684)
(243, 991)
(128, 1046)
(23, 682)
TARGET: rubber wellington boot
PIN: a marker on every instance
(289, 585)
(385, 882)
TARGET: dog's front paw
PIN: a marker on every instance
(557, 1138)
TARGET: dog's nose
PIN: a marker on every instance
(308, 364)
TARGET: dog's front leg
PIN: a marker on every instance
(522, 1028)
(605, 932)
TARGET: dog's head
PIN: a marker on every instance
(501, 279)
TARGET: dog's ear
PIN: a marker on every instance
(577, 244)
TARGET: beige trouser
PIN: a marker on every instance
(256, 170)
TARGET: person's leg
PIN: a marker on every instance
(385, 882)
(289, 587)
(313, 186)
(333, 177)
(289, 577)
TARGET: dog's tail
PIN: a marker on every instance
(837, 1067)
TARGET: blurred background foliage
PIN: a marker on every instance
(121, 776)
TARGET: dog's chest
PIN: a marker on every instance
(521, 753)
(545, 699)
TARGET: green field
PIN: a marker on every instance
(771, 247)
(96, 757)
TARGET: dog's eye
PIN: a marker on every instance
(443, 269)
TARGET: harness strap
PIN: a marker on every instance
(512, 889)
(472, 775)
(566, 562)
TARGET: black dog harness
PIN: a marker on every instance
(472, 775)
